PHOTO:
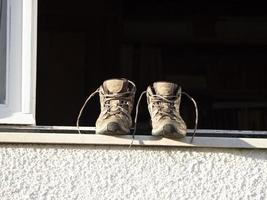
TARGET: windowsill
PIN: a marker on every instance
(56, 136)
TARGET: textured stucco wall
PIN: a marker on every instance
(101, 172)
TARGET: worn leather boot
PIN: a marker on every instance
(163, 100)
(116, 100)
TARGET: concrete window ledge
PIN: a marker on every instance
(67, 135)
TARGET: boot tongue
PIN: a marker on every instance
(115, 85)
(165, 88)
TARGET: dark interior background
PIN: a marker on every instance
(215, 51)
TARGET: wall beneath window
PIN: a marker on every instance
(101, 172)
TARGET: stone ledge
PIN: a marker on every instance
(140, 140)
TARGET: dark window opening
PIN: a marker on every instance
(215, 51)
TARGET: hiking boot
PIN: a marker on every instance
(116, 100)
(163, 100)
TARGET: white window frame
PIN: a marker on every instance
(21, 63)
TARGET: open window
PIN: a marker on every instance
(17, 61)
(216, 52)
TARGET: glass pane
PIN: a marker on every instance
(3, 39)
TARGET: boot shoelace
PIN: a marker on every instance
(164, 112)
(114, 104)
(165, 107)
(110, 108)
(81, 110)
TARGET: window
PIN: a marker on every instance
(80, 45)
(216, 52)
(17, 61)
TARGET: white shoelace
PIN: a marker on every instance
(81, 110)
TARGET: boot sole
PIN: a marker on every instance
(112, 129)
(168, 131)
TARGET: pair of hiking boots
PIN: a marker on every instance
(117, 100)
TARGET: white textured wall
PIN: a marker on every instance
(101, 172)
